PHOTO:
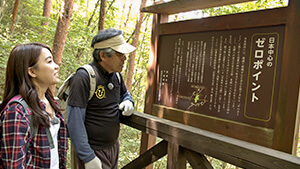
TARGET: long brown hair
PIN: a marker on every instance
(18, 82)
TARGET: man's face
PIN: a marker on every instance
(114, 63)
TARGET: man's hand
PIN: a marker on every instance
(127, 108)
(94, 164)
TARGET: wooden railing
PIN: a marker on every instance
(185, 143)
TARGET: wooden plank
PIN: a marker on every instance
(178, 6)
(176, 159)
(150, 156)
(259, 135)
(269, 17)
(196, 160)
(285, 129)
(237, 152)
(220, 155)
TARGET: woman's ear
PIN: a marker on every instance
(31, 72)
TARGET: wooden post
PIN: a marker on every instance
(150, 156)
(147, 141)
(288, 92)
(196, 160)
(176, 159)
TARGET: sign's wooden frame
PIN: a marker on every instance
(284, 136)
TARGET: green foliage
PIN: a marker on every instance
(141, 62)
(129, 145)
(77, 50)
(27, 28)
(244, 7)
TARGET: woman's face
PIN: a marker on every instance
(45, 71)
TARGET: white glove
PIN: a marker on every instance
(127, 107)
(94, 164)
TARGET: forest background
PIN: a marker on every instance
(23, 21)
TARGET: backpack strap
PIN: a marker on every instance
(33, 129)
(92, 76)
(118, 76)
(63, 91)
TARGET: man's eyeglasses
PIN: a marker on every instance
(120, 54)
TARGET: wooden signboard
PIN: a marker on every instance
(236, 75)
(232, 75)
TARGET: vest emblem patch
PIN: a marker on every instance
(100, 92)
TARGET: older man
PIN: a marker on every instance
(94, 124)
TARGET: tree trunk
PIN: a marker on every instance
(128, 14)
(110, 5)
(122, 15)
(62, 30)
(2, 8)
(17, 2)
(47, 10)
(91, 18)
(102, 14)
(61, 33)
(134, 43)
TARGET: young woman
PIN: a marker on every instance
(32, 136)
